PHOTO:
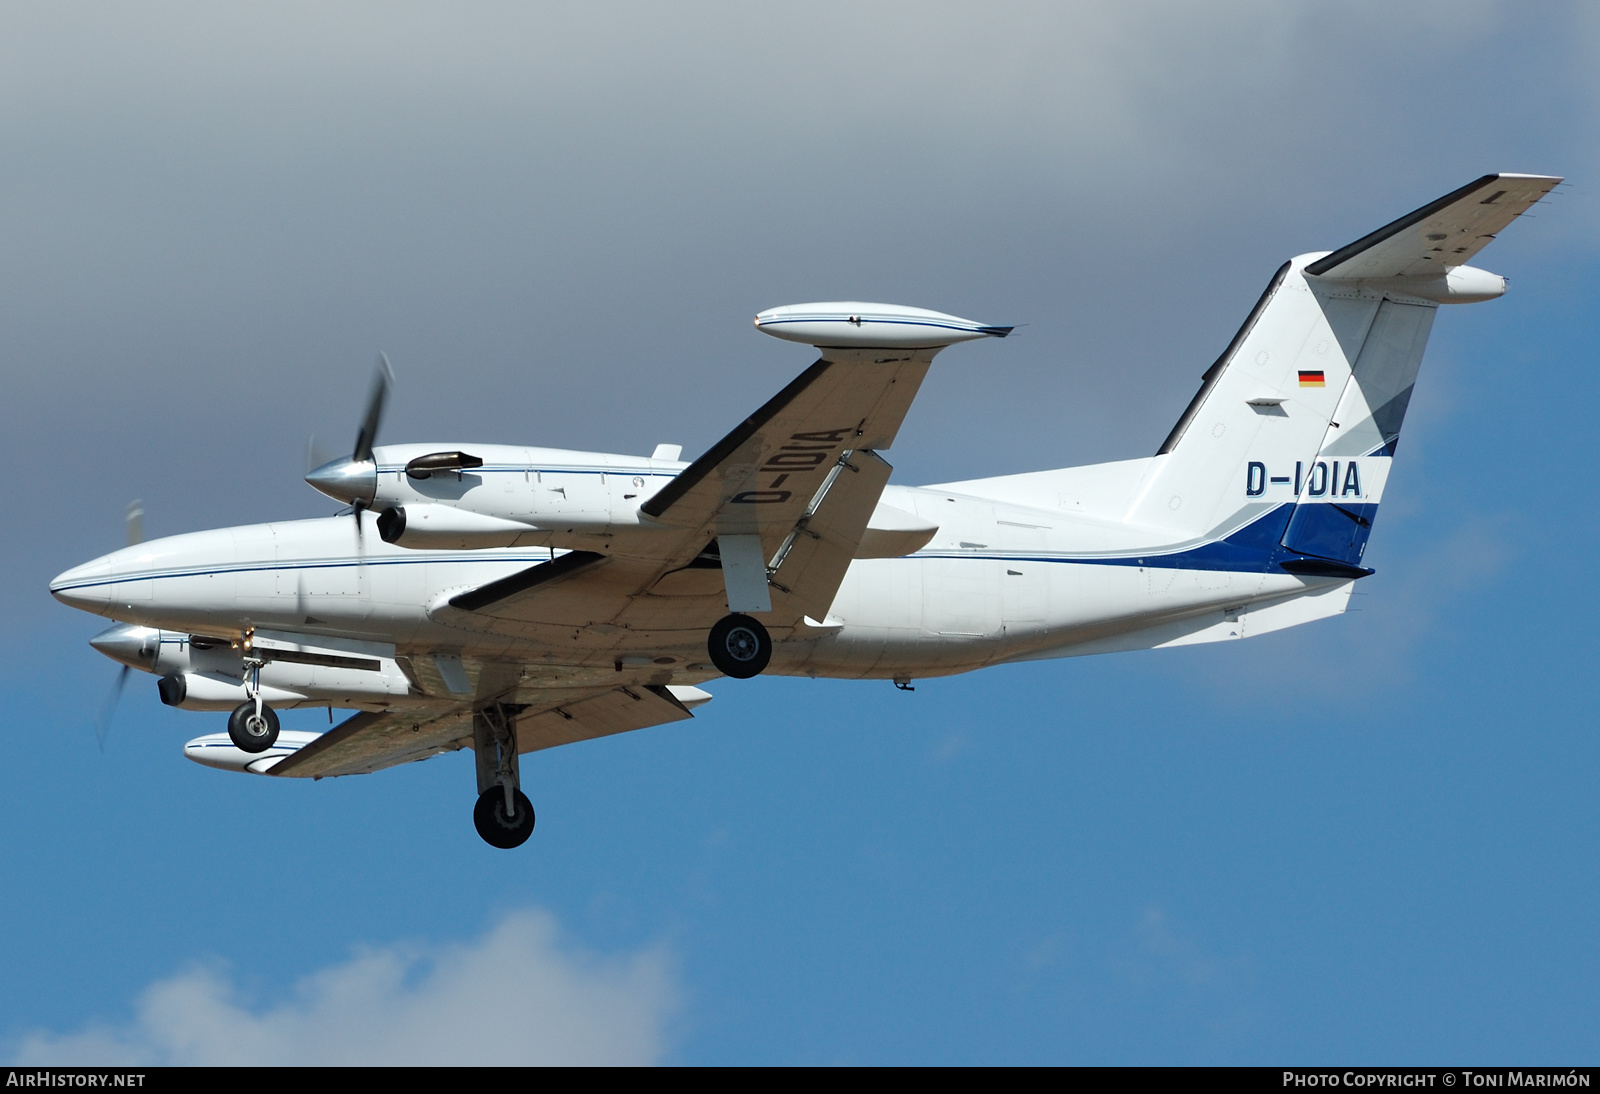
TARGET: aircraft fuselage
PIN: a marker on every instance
(997, 582)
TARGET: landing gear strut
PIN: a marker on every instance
(739, 646)
(503, 815)
(253, 726)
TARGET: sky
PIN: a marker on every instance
(1368, 839)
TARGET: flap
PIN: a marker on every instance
(616, 711)
(763, 477)
(812, 563)
(370, 742)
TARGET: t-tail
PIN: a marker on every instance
(1287, 446)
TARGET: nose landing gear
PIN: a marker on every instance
(503, 815)
(253, 726)
(739, 646)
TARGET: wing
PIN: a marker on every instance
(1441, 234)
(786, 496)
(769, 518)
(370, 742)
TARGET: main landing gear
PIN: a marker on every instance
(253, 726)
(739, 646)
(503, 815)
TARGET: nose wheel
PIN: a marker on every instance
(739, 646)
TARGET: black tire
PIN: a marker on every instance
(250, 734)
(498, 830)
(740, 647)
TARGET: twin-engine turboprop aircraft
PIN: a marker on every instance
(509, 599)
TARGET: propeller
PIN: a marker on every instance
(382, 381)
(354, 479)
(111, 643)
(108, 709)
(316, 455)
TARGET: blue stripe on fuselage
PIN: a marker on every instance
(1255, 548)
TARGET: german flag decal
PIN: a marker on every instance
(1313, 379)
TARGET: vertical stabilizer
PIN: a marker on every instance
(1296, 424)
(1265, 408)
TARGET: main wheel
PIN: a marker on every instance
(250, 732)
(497, 829)
(739, 646)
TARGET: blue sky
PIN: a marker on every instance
(1371, 838)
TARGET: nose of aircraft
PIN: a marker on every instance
(347, 480)
(133, 646)
(84, 586)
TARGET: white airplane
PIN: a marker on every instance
(509, 599)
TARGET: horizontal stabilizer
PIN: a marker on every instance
(1440, 235)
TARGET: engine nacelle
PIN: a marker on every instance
(214, 691)
(201, 673)
(445, 527)
(497, 496)
(287, 685)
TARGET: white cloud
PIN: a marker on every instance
(520, 994)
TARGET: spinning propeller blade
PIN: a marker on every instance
(381, 383)
(316, 455)
(108, 709)
(355, 480)
(135, 519)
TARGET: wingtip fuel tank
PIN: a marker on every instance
(855, 325)
(217, 750)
